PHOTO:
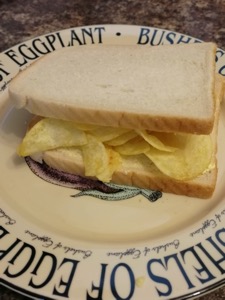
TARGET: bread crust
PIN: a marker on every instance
(121, 119)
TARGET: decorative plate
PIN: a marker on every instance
(59, 236)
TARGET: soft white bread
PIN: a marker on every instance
(141, 172)
(163, 88)
(136, 171)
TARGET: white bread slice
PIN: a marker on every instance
(164, 88)
(136, 171)
(141, 172)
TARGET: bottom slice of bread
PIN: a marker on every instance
(136, 171)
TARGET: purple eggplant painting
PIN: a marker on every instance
(86, 186)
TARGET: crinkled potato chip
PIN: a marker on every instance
(113, 164)
(50, 134)
(99, 161)
(107, 133)
(122, 139)
(180, 156)
(133, 147)
(155, 142)
(172, 139)
(191, 160)
(95, 157)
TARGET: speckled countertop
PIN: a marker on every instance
(21, 20)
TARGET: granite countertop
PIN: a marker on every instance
(24, 19)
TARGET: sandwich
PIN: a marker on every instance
(131, 115)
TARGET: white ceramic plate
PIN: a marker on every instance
(55, 246)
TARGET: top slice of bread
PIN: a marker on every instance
(163, 88)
